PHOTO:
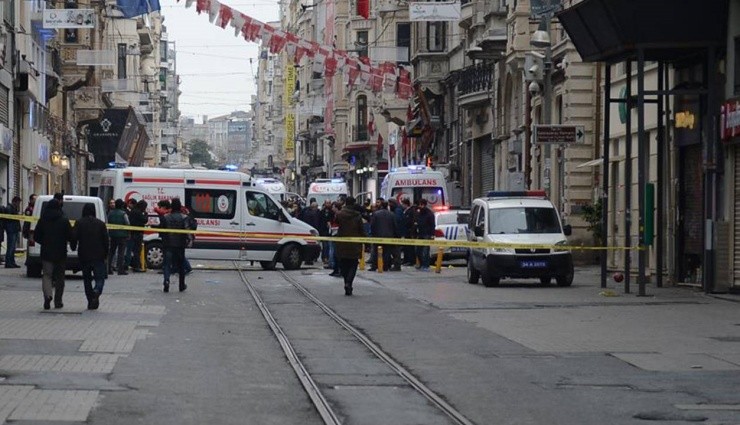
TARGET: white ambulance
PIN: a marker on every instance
(416, 182)
(227, 203)
(272, 186)
(327, 189)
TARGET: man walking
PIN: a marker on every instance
(175, 243)
(425, 230)
(118, 237)
(90, 238)
(350, 225)
(327, 216)
(138, 218)
(12, 230)
(383, 225)
(53, 232)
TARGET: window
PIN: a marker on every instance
(163, 51)
(361, 118)
(122, 61)
(403, 38)
(163, 78)
(211, 203)
(261, 205)
(737, 66)
(523, 220)
(363, 39)
(436, 36)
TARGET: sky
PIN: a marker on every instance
(213, 64)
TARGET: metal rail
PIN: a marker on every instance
(435, 399)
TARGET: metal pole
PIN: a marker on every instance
(710, 169)
(605, 178)
(547, 109)
(628, 181)
(643, 146)
(659, 183)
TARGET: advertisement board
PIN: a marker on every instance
(434, 11)
(69, 18)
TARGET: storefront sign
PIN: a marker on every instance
(730, 119)
(434, 11)
(69, 18)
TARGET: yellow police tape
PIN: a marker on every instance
(368, 240)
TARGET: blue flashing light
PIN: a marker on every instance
(337, 180)
(517, 194)
(231, 167)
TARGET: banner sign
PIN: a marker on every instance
(543, 8)
(730, 119)
(69, 18)
(434, 11)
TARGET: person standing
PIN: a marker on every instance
(425, 230)
(53, 231)
(175, 243)
(127, 262)
(138, 218)
(12, 230)
(90, 239)
(397, 212)
(383, 225)
(28, 212)
(408, 232)
(118, 237)
(350, 224)
(327, 216)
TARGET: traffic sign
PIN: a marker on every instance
(559, 134)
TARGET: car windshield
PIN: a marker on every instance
(521, 220)
(72, 210)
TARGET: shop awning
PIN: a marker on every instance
(666, 30)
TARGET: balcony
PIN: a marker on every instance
(475, 85)
(360, 134)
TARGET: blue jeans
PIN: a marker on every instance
(10, 252)
(174, 262)
(332, 260)
(422, 252)
(93, 270)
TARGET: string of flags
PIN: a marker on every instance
(358, 73)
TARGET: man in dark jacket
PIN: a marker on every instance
(408, 232)
(175, 243)
(12, 230)
(425, 230)
(53, 232)
(90, 239)
(137, 217)
(118, 237)
(327, 216)
(29, 212)
(349, 221)
(383, 225)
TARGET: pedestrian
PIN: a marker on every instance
(118, 237)
(53, 231)
(383, 225)
(12, 230)
(127, 263)
(175, 243)
(333, 230)
(425, 230)
(350, 225)
(138, 218)
(395, 250)
(90, 239)
(28, 212)
(408, 231)
(327, 215)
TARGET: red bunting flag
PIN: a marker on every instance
(380, 145)
(330, 66)
(404, 84)
(202, 6)
(277, 42)
(377, 80)
(224, 16)
(391, 151)
(363, 8)
(252, 29)
(354, 72)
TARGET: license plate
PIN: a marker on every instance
(533, 264)
(458, 249)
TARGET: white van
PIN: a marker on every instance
(327, 189)
(274, 187)
(227, 203)
(518, 218)
(416, 182)
(72, 208)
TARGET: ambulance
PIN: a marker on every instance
(327, 189)
(416, 182)
(272, 186)
(228, 203)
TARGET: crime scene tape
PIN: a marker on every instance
(366, 240)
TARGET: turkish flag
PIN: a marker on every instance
(363, 8)
(202, 6)
(277, 42)
(380, 145)
(354, 72)
(330, 66)
(404, 84)
(224, 16)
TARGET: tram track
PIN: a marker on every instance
(324, 408)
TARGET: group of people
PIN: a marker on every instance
(10, 231)
(382, 219)
(97, 245)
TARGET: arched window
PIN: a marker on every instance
(361, 133)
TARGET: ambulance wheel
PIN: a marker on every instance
(268, 265)
(290, 256)
(154, 255)
(473, 274)
(33, 270)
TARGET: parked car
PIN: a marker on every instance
(452, 225)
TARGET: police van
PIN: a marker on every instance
(227, 203)
(327, 189)
(519, 219)
(416, 182)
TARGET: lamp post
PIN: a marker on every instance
(541, 39)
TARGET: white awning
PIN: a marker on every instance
(592, 163)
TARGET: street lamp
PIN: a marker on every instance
(55, 158)
(64, 162)
(541, 39)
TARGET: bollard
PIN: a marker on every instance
(362, 258)
(142, 257)
(380, 259)
(438, 264)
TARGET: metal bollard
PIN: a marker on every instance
(142, 257)
(362, 258)
(380, 259)
(438, 264)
